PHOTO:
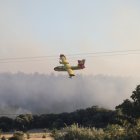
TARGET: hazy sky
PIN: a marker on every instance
(50, 27)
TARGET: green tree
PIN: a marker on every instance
(24, 122)
(131, 108)
(6, 123)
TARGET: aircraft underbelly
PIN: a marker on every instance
(60, 69)
(75, 68)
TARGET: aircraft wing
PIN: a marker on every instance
(63, 59)
(66, 66)
(70, 72)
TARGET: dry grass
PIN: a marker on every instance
(33, 136)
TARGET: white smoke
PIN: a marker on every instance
(39, 93)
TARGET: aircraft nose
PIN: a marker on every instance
(55, 68)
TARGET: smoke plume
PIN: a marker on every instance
(39, 93)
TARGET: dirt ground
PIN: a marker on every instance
(33, 136)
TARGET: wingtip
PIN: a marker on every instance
(71, 75)
(62, 55)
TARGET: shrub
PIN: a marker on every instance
(17, 136)
(28, 135)
(74, 132)
(44, 136)
(3, 138)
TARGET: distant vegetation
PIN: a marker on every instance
(126, 124)
(89, 124)
(90, 117)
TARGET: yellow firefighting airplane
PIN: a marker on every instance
(67, 67)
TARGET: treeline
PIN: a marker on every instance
(126, 113)
(92, 116)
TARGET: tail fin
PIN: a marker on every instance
(81, 63)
